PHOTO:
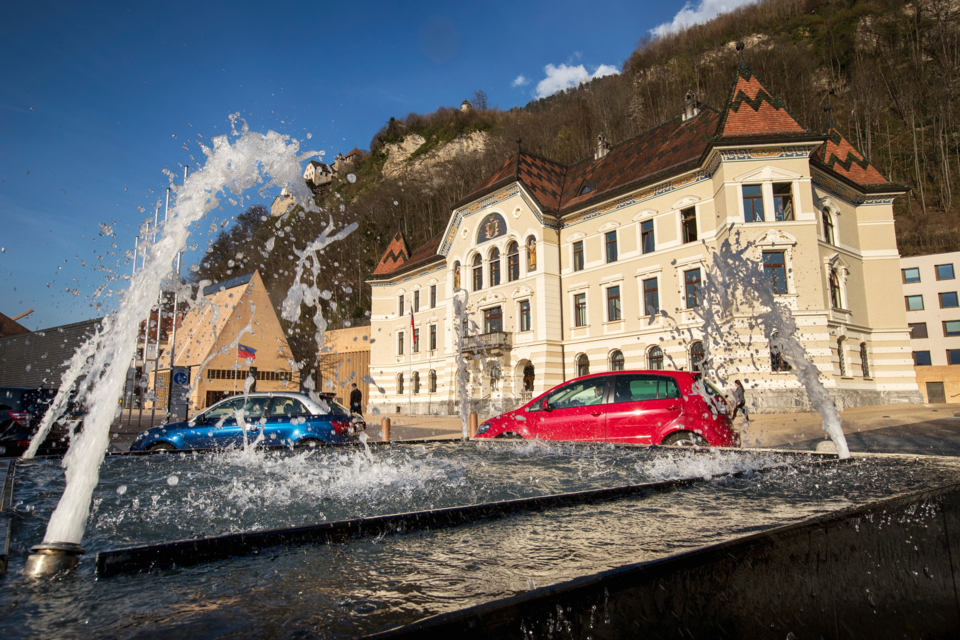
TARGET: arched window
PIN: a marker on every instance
(777, 363)
(416, 382)
(399, 384)
(864, 365)
(531, 254)
(583, 365)
(513, 262)
(696, 356)
(835, 299)
(477, 272)
(840, 358)
(432, 381)
(827, 218)
(494, 267)
(616, 361)
(456, 274)
(655, 358)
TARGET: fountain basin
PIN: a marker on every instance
(373, 584)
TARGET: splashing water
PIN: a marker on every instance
(253, 159)
(737, 296)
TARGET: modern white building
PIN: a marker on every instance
(930, 297)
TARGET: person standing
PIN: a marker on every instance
(739, 400)
(356, 400)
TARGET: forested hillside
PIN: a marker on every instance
(889, 70)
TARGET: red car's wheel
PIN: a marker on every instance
(685, 439)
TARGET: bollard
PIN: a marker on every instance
(385, 430)
(472, 425)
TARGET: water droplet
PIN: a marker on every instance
(351, 178)
(105, 229)
(395, 203)
(122, 489)
(173, 481)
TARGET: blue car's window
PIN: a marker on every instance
(253, 410)
(283, 407)
(226, 409)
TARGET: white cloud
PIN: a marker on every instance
(704, 11)
(520, 81)
(564, 76)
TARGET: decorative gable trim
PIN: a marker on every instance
(776, 238)
(685, 202)
(767, 174)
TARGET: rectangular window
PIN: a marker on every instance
(921, 358)
(691, 281)
(651, 297)
(580, 310)
(400, 343)
(525, 324)
(944, 272)
(513, 263)
(611, 245)
(951, 328)
(918, 330)
(948, 300)
(401, 306)
(433, 337)
(688, 221)
(433, 296)
(578, 256)
(646, 237)
(910, 275)
(493, 320)
(495, 271)
(416, 301)
(613, 304)
(782, 201)
(953, 356)
(915, 303)
(416, 340)
(775, 270)
(752, 203)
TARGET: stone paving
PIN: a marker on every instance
(931, 429)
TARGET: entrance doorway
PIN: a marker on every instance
(935, 392)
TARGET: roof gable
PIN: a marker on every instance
(394, 257)
(843, 158)
(753, 110)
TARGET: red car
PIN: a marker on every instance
(632, 407)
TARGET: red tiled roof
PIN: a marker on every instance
(421, 257)
(354, 151)
(753, 110)
(395, 256)
(843, 158)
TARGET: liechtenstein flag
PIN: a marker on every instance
(246, 352)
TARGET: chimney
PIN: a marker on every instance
(602, 147)
(690, 106)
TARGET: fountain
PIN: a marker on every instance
(349, 541)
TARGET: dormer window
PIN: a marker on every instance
(588, 186)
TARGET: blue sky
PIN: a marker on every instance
(97, 99)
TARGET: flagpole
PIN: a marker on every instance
(413, 338)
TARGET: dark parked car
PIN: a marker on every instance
(284, 420)
(21, 410)
(633, 407)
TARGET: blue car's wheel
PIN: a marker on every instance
(161, 446)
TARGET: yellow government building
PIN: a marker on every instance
(586, 268)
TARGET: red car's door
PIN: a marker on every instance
(576, 412)
(641, 405)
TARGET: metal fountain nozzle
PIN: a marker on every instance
(50, 558)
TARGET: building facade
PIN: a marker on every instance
(930, 297)
(600, 265)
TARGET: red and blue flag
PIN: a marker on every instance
(246, 353)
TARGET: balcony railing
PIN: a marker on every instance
(498, 340)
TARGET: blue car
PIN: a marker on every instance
(284, 419)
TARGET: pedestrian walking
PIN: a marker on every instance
(356, 400)
(739, 400)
